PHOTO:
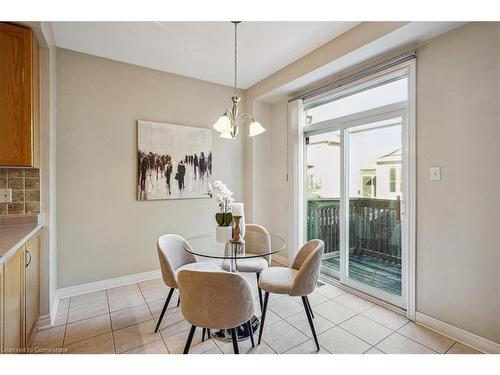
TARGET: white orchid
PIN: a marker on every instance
(222, 194)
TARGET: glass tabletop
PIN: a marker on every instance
(209, 246)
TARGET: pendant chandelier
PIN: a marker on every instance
(231, 119)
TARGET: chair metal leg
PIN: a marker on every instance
(189, 339)
(208, 333)
(309, 305)
(263, 319)
(260, 290)
(178, 301)
(164, 309)
(235, 341)
(309, 318)
(249, 325)
(203, 334)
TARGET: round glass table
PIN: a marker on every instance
(214, 246)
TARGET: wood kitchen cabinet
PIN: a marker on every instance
(32, 288)
(13, 303)
(20, 297)
(19, 97)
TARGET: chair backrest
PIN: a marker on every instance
(307, 262)
(215, 299)
(172, 256)
(257, 240)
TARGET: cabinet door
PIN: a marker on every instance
(16, 146)
(13, 319)
(32, 287)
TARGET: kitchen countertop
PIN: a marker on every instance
(15, 233)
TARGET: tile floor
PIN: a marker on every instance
(122, 320)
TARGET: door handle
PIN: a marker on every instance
(27, 252)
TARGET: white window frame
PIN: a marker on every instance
(296, 173)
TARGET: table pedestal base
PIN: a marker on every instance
(241, 331)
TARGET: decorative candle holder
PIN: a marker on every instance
(237, 233)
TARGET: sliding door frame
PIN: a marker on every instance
(405, 110)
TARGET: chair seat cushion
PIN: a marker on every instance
(198, 266)
(277, 279)
(247, 265)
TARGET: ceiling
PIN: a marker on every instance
(202, 50)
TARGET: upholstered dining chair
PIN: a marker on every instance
(215, 300)
(297, 281)
(257, 241)
(173, 259)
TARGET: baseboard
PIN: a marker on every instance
(96, 286)
(44, 322)
(458, 334)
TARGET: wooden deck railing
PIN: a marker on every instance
(374, 226)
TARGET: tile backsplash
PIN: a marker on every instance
(25, 185)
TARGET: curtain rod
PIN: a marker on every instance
(358, 75)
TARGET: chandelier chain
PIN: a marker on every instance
(235, 58)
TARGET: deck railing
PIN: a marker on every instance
(374, 226)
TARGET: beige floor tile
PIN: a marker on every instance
(300, 322)
(315, 298)
(129, 317)
(157, 306)
(339, 341)
(155, 347)
(373, 350)
(214, 350)
(124, 297)
(308, 347)
(334, 311)
(353, 302)
(153, 290)
(282, 336)
(48, 339)
(135, 336)
(386, 317)
(87, 306)
(424, 336)
(102, 344)
(285, 307)
(245, 346)
(330, 291)
(88, 298)
(366, 329)
(175, 343)
(459, 348)
(271, 317)
(87, 328)
(398, 344)
(173, 324)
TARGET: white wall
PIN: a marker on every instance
(458, 248)
(103, 231)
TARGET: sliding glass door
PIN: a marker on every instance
(374, 194)
(356, 187)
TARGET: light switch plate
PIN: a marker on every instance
(5, 195)
(436, 174)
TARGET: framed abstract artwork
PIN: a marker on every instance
(174, 161)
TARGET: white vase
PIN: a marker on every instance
(223, 234)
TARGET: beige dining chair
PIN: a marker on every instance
(173, 259)
(215, 300)
(257, 241)
(297, 281)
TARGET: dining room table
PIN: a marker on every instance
(212, 245)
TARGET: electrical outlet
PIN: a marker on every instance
(5, 195)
